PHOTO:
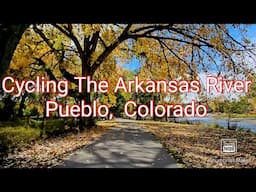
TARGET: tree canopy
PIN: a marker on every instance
(165, 51)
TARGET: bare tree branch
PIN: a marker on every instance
(191, 37)
(110, 48)
(43, 36)
(102, 41)
(73, 38)
(151, 28)
(92, 44)
(179, 58)
(135, 36)
(70, 77)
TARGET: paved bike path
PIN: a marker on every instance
(124, 146)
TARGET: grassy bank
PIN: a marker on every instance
(50, 151)
(18, 134)
(196, 146)
(12, 138)
(15, 135)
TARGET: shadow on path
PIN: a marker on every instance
(122, 147)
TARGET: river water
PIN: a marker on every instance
(244, 123)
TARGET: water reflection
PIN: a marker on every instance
(244, 123)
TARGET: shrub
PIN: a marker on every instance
(52, 127)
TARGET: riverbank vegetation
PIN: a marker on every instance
(242, 106)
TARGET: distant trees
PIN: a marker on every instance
(225, 105)
(118, 109)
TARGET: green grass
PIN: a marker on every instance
(16, 137)
(214, 126)
(15, 123)
(18, 134)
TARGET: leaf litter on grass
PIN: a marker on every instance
(199, 147)
(47, 153)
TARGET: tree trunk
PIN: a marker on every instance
(229, 117)
(89, 121)
(228, 124)
(22, 104)
(42, 127)
(9, 38)
(154, 117)
(166, 118)
(58, 112)
(86, 122)
(8, 110)
(138, 117)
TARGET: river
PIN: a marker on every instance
(244, 123)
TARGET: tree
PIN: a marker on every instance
(252, 94)
(184, 49)
(118, 109)
(228, 109)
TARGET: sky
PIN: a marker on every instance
(134, 63)
(251, 33)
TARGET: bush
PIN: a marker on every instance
(53, 127)
(35, 123)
